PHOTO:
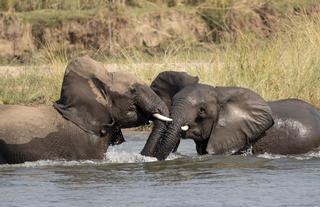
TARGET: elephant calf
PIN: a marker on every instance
(93, 107)
(227, 120)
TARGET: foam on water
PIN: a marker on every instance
(307, 156)
(119, 156)
(115, 154)
(129, 152)
(271, 156)
(247, 152)
(52, 163)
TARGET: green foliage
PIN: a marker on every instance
(194, 2)
(172, 3)
(31, 5)
(134, 3)
(51, 18)
(4, 5)
(218, 14)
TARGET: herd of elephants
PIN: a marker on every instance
(96, 104)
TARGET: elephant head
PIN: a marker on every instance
(221, 120)
(102, 102)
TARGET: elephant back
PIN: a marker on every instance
(21, 124)
(296, 128)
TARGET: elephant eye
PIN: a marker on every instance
(202, 110)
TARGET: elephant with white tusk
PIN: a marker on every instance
(93, 107)
(227, 120)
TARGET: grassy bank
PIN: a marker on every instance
(220, 15)
(286, 65)
(222, 20)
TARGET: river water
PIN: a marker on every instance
(125, 178)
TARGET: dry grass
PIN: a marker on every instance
(286, 65)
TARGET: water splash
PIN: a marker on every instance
(115, 155)
(271, 156)
(52, 163)
(247, 152)
(307, 156)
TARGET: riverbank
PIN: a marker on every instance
(151, 28)
(282, 65)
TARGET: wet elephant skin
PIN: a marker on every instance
(228, 120)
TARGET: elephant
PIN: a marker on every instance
(94, 106)
(231, 120)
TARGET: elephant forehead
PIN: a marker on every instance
(85, 67)
(88, 68)
(121, 82)
(194, 100)
(21, 124)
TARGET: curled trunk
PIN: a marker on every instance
(153, 104)
(171, 138)
(154, 138)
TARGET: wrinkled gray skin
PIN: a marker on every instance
(227, 120)
(29, 133)
(93, 107)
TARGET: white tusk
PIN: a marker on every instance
(162, 118)
(185, 128)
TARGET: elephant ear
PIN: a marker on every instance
(243, 117)
(168, 83)
(83, 99)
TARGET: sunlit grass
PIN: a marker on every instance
(38, 84)
(32, 85)
(286, 65)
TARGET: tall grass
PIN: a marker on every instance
(35, 84)
(286, 65)
(31, 86)
(31, 5)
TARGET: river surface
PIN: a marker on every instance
(125, 178)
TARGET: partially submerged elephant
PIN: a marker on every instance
(228, 120)
(94, 105)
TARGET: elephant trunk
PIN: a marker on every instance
(154, 104)
(151, 103)
(154, 138)
(172, 136)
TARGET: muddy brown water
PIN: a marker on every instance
(125, 178)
